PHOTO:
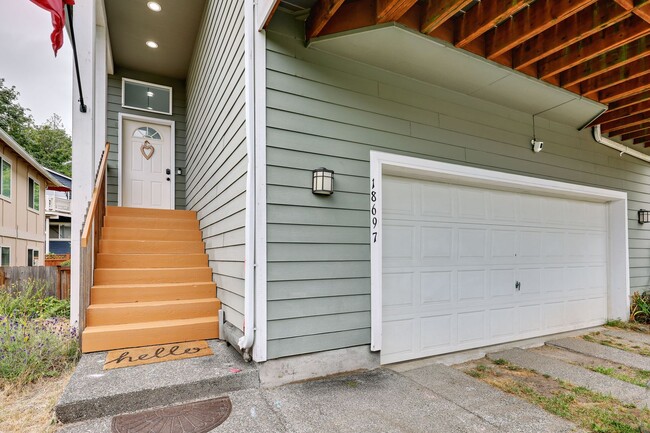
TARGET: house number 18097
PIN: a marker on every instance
(373, 212)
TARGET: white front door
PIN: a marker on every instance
(467, 267)
(146, 165)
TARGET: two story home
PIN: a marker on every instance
(363, 182)
(58, 222)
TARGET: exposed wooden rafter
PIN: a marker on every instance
(485, 16)
(438, 12)
(392, 10)
(320, 14)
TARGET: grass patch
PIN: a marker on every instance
(635, 377)
(592, 411)
(616, 343)
(35, 337)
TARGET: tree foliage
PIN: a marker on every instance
(48, 143)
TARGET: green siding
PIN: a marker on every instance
(327, 111)
(216, 148)
(114, 107)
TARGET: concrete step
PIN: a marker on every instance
(136, 312)
(109, 337)
(603, 352)
(127, 261)
(631, 336)
(149, 247)
(141, 234)
(603, 384)
(151, 223)
(105, 276)
(93, 393)
(118, 293)
(149, 213)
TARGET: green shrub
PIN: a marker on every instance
(640, 307)
(29, 300)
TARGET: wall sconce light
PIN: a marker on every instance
(322, 181)
(644, 216)
(179, 171)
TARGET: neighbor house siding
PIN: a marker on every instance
(216, 148)
(327, 111)
(114, 107)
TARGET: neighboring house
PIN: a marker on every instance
(22, 194)
(58, 223)
(446, 229)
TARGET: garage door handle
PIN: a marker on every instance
(518, 285)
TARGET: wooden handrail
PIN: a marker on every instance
(101, 177)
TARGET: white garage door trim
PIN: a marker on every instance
(386, 163)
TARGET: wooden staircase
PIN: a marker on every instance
(152, 283)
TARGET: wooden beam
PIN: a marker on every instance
(641, 10)
(625, 122)
(320, 14)
(612, 37)
(617, 76)
(530, 22)
(628, 129)
(637, 134)
(628, 88)
(484, 16)
(609, 116)
(580, 26)
(392, 10)
(642, 140)
(626, 102)
(438, 12)
(607, 62)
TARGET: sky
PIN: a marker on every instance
(27, 61)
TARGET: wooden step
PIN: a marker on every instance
(151, 260)
(105, 276)
(136, 312)
(109, 337)
(150, 213)
(151, 223)
(150, 247)
(141, 234)
(121, 293)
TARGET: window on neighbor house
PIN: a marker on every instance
(146, 96)
(32, 257)
(34, 190)
(5, 256)
(5, 178)
(60, 231)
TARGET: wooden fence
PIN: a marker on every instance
(56, 278)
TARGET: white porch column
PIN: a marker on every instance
(83, 136)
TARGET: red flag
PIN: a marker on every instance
(58, 19)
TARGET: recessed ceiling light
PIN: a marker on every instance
(150, 94)
(152, 44)
(154, 6)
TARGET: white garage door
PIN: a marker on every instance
(466, 267)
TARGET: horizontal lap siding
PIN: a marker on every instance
(216, 148)
(114, 107)
(326, 111)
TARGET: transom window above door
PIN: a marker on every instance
(141, 95)
(147, 132)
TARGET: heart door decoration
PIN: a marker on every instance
(147, 150)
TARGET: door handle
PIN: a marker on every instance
(168, 172)
(518, 286)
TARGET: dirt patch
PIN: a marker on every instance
(618, 343)
(589, 410)
(30, 409)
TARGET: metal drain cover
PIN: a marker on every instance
(198, 417)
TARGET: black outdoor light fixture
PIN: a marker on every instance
(644, 216)
(322, 181)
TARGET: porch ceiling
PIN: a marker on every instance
(131, 23)
(599, 50)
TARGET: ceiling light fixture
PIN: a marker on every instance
(152, 44)
(154, 6)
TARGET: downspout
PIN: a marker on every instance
(246, 342)
(618, 146)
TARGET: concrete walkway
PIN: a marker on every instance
(431, 399)
(603, 352)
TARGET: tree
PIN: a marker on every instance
(48, 143)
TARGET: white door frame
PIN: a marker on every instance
(618, 290)
(172, 153)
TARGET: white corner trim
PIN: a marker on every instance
(388, 163)
(121, 117)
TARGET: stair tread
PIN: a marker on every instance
(145, 285)
(150, 325)
(155, 269)
(152, 303)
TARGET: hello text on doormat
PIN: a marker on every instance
(152, 354)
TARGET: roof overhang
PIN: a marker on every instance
(9, 141)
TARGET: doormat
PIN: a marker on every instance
(198, 417)
(152, 354)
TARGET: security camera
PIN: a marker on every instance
(537, 145)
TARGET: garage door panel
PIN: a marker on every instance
(452, 256)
